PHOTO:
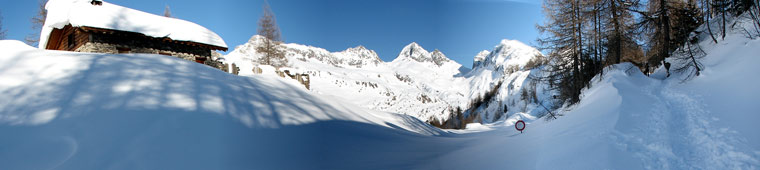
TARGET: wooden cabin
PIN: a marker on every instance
(108, 28)
(98, 40)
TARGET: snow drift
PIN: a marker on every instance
(67, 110)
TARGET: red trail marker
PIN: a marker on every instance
(520, 125)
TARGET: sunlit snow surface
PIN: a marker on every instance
(63, 110)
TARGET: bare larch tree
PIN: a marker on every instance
(167, 12)
(2, 31)
(37, 22)
(273, 53)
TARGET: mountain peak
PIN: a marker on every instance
(415, 52)
(413, 48)
(480, 58)
(506, 53)
(363, 53)
(359, 48)
(507, 45)
(414, 44)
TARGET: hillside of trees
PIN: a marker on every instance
(584, 36)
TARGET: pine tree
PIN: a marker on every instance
(37, 22)
(273, 53)
(167, 12)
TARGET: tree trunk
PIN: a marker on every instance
(709, 30)
(577, 56)
(693, 60)
(665, 26)
(723, 15)
(618, 37)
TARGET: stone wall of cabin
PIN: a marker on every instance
(137, 42)
(94, 47)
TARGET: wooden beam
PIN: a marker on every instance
(127, 33)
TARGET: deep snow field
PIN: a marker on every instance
(65, 110)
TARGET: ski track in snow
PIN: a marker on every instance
(706, 144)
(678, 133)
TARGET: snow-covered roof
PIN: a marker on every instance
(80, 13)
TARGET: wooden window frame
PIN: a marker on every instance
(123, 50)
(165, 53)
(71, 41)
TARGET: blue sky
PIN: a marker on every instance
(459, 28)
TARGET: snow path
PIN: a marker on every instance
(674, 130)
(706, 145)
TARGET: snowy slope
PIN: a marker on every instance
(66, 110)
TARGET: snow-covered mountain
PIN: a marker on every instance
(505, 79)
(244, 55)
(358, 75)
(427, 85)
(507, 53)
(479, 58)
(415, 52)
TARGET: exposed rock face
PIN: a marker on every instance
(92, 47)
(352, 57)
(415, 52)
(421, 83)
(478, 60)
